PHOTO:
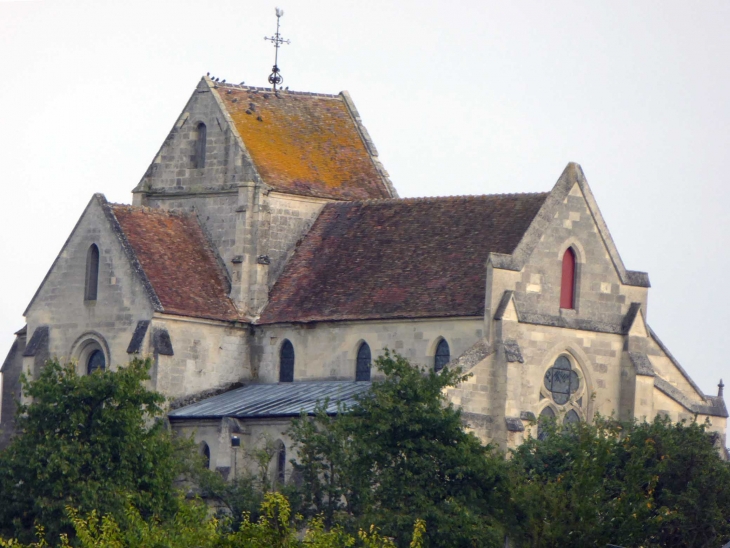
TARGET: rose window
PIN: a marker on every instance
(561, 380)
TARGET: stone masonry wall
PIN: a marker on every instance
(60, 303)
(290, 219)
(600, 295)
(10, 389)
(206, 355)
(328, 351)
(174, 169)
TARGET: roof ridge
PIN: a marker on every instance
(257, 89)
(442, 198)
(158, 210)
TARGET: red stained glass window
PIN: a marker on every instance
(567, 285)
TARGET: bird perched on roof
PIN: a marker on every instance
(224, 81)
(287, 88)
(216, 79)
(208, 75)
(241, 83)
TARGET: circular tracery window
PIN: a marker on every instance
(561, 380)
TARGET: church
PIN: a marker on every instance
(266, 261)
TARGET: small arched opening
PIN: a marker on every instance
(96, 361)
(200, 145)
(567, 282)
(280, 463)
(364, 361)
(546, 415)
(286, 362)
(91, 286)
(205, 454)
(443, 355)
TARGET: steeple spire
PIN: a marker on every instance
(275, 78)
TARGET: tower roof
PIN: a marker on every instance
(309, 144)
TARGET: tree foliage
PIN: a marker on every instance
(192, 527)
(399, 455)
(653, 484)
(89, 442)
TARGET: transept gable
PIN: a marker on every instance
(95, 223)
(571, 184)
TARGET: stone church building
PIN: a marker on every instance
(267, 260)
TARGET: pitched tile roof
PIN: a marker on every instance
(399, 258)
(178, 261)
(303, 143)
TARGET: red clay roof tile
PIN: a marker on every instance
(399, 258)
(304, 144)
(178, 261)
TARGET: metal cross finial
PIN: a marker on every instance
(275, 78)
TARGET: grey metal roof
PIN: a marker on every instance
(288, 399)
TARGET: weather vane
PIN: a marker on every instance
(275, 78)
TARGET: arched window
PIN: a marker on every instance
(96, 361)
(280, 463)
(92, 273)
(546, 414)
(286, 362)
(200, 146)
(443, 355)
(205, 451)
(567, 283)
(571, 417)
(362, 371)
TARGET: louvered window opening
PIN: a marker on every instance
(92, 273)
(364, 360)
(200, 146)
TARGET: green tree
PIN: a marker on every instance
(192, 527)
(653, 484)
(90, 442)
(399, 455)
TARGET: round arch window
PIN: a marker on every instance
(96, 361)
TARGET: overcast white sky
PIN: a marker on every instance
(460, 97)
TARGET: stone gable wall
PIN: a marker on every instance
(600, 295)
(173, 169)
(60, 303)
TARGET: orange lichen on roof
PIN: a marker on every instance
(304, 144)
(178, 261)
